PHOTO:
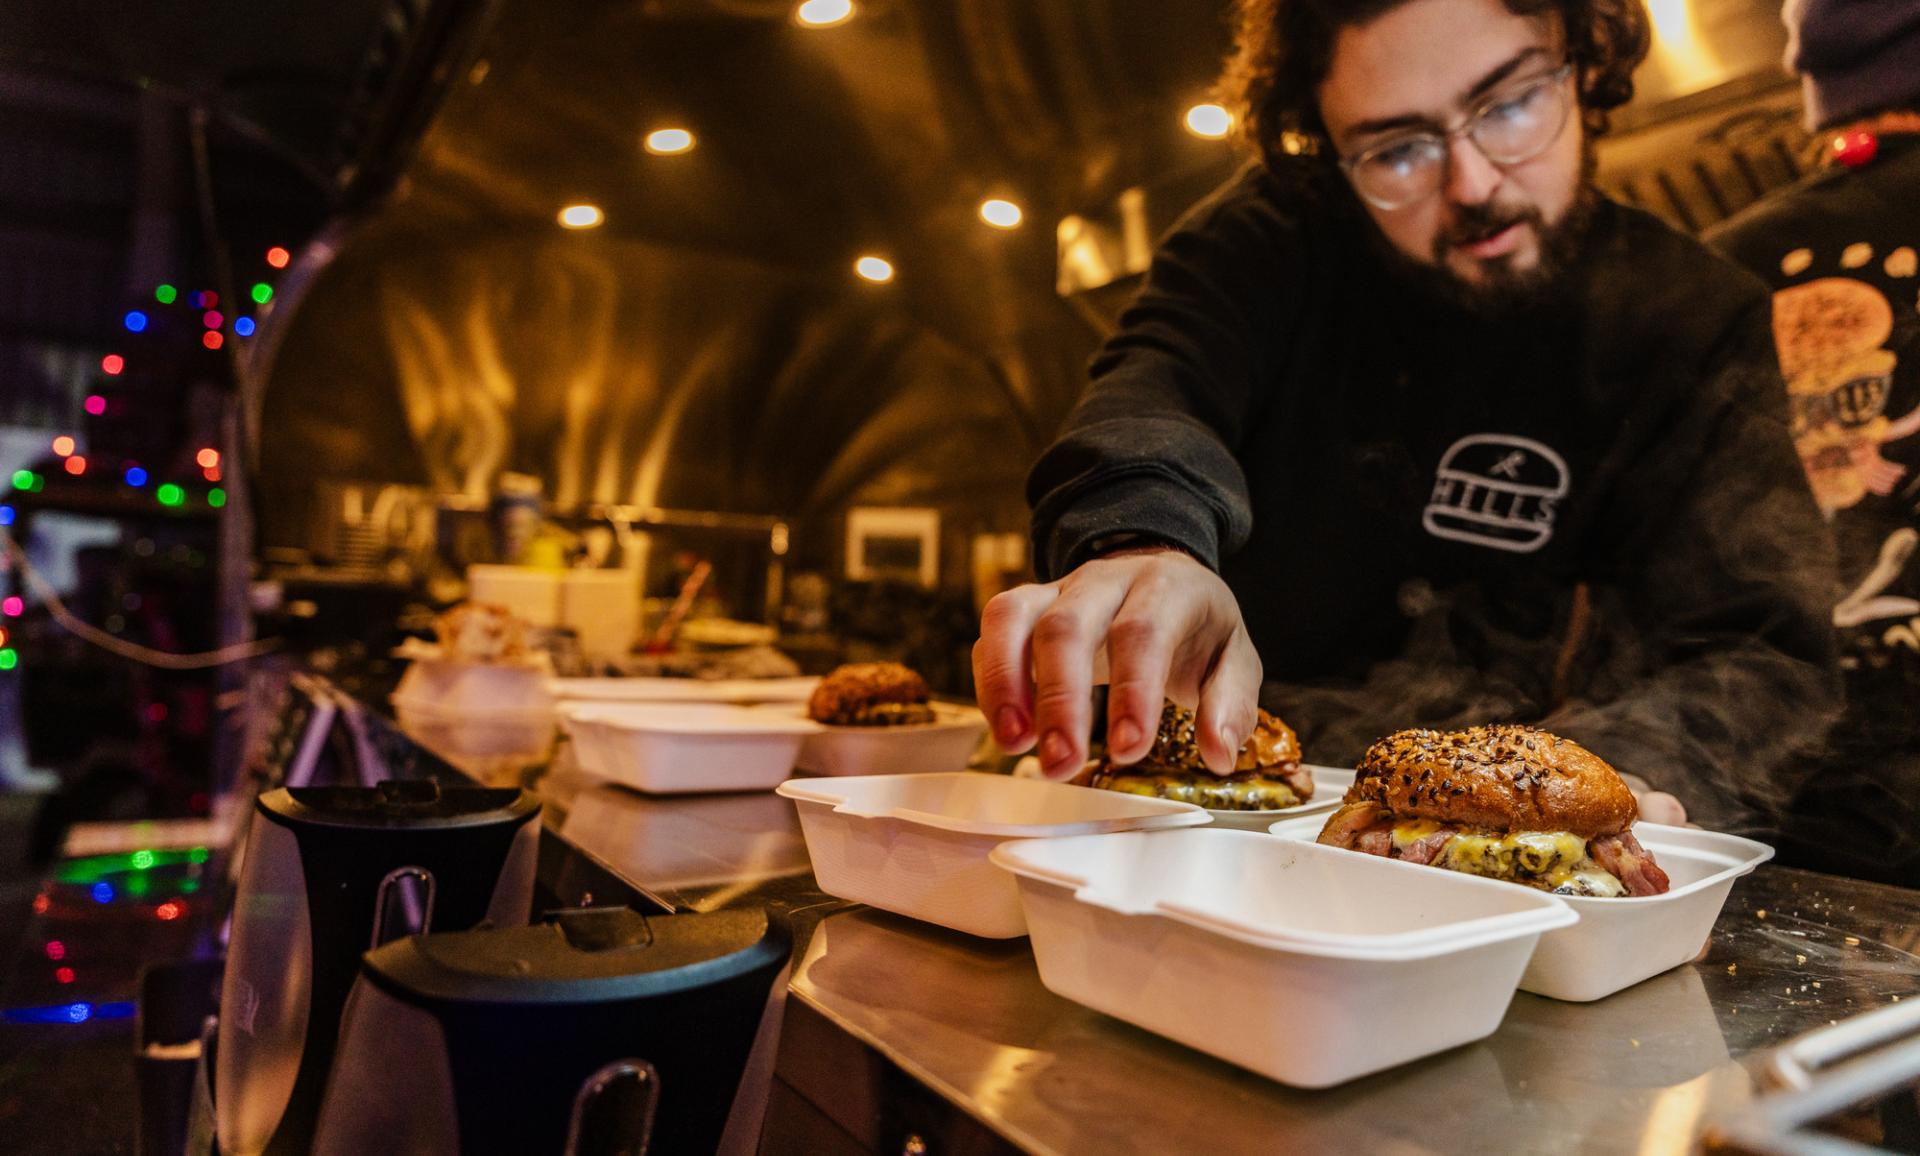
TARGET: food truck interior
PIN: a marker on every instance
(712, 340)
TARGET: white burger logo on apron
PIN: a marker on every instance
(1498, 491)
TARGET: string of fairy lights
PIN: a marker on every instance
(159, 882)
(214, 327)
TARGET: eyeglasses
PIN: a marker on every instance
(1508, 128)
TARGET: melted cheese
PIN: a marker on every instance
(1240, 793)
(1407, 834)
(1555, 860)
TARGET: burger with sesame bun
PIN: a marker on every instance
(1266, 776)
(1505, 802)
(871, 694)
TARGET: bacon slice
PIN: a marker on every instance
(1426, 849)
(1631, 863)
(1375, 840)
(1368, 828)
(1347, 823)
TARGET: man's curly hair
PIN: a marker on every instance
(1284, 48)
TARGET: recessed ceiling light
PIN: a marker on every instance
(1001, 214)
(875, 269)
(581, 216)
(823, 13)
(1209, 120)
(666, 142)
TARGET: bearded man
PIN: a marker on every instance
(1409, 425)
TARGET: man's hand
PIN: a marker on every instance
(1170, 628)
(1656, 806)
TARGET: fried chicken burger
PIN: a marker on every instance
(1266, 776)
(871, 694)
(1504, 802)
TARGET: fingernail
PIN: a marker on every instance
(1055, 749)
(1010, 722)
(1124, 735)
(1229, 744)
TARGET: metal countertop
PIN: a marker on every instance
(1639, 1072)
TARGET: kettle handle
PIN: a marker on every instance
(613, 1111)
(403, 905)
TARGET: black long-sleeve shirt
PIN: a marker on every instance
(1588, 516)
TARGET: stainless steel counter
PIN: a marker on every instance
(1636, 1073)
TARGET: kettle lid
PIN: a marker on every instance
(584, 955)
(397, 803)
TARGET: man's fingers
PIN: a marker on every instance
(1229, 703)
(1140, 647)
(1065, 638)
(1660, 807)
(1655, 806)
(1002, 666)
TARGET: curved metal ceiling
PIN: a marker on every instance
(708, 346)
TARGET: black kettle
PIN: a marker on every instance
(599, 1032)
(330, 872)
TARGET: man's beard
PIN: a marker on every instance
(1501, 289)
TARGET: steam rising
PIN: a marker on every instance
(1731, 727)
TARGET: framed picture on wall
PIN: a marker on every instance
(893, 542)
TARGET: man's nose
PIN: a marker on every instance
(1471, 177)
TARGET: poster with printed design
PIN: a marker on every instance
(1845, 332)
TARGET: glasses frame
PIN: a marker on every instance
(1468, 124)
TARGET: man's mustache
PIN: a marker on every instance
(1473, 223)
